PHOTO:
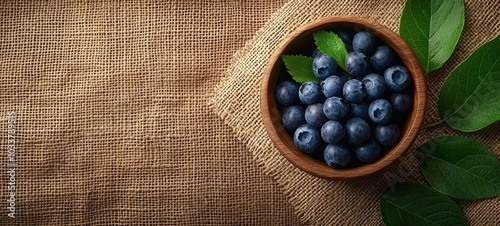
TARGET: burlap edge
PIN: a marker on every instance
(224, 113)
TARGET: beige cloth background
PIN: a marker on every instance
(113, 126)
(115, 121)
(322, 202)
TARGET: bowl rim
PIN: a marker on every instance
(309, 164)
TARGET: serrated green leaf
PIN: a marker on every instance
(432, 29)
(300, 68)
(414, 204)
(469, 99)
(460, 167)
(331, 44)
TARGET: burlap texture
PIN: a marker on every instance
(113, 125)
(322, 202)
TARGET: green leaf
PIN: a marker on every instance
(469, 99)
(330, 43)
(432, 29)
(460, 167)
(300, 67)
(414, 204)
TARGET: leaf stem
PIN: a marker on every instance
(432, 124)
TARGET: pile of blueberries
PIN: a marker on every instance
(350, 118)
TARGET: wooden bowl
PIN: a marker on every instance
(301, 42)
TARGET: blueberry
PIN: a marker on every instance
(335, 108)
(387, 134)
(293, 117)
(401, 102)
(357, 131)
(310, 93)
(287, 93)
(332, 86)
(307, 138)
(359, 110)
(314, 115)
(332, 132)
(316, 53)
(324, 66)
(346, 35)
(369, 152)
(397, 78)
(380, 111)
(363, 42)
(356, 64)
(374, 85)
(344, 76)
(337, 156)
(381, 58)
(354, 91)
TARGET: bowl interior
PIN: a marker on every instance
(301, 42)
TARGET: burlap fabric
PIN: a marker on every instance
(113, 125)
(322, 202)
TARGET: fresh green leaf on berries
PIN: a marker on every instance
(300, 68)
(469, 99)
(414, 204)
(331, 44)
(432, 29)
(460, 167)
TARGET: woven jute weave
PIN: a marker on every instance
(112, 121)
(321, 202)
